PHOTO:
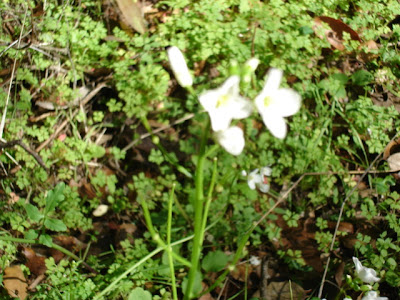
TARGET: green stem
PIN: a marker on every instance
(236, 258)
(156, 237)
(198, 215)
(209, 197)
(136, 265)
(170, 250)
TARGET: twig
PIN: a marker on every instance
(341, 213)
(26, 148)
(65, 122)
(148, 134)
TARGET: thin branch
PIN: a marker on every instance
(148, 134)
(65, 122)
(26, 148)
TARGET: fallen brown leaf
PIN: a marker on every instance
(335, 34)
(339, 274)
(15, 283)
(285, 290)
(132, 15)
(34, 262)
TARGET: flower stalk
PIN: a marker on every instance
(198, 215)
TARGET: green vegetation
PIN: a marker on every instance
(113, 183)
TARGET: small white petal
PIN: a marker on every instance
(372, 295)
(231, 139)
(179, 67)
(273, 79)
(100, 210)
(263, 187)
(231, 85)
(241, 108)
(243, 173)
(276, 124)
(285, 102)
(357, 264)
(253, 63)
(208, 99)
(266, 171)
(219, 121)
(254, 179)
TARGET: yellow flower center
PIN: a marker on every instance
(267, 101)
(223, 100)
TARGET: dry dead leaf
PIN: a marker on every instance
(391, 148)
(335, 34)
(15, 283)
(394, 161)
(132, 14)
(34, 262)
(13, 198)
(339, 274)
(285, 290)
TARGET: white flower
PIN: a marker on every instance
(258, 179)
(367, 275)
(255, 261)
(274, 103)
(347, 298)
(179, 67)
(372, 295)
(231, 139)
(225, 103)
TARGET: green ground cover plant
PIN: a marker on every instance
(199, 149)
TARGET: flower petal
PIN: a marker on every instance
(224, 104)
(273, 80)
(367, 275)
(241, 108)
(266, 171)
(254, 179)
(231, 86)
(219, 121)
(208, 99)
(231, 139)
(252, 63)
(285, 102)
(276, 124)
(263, 187)
(372, 295)
(357, 264)
(179, 67)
